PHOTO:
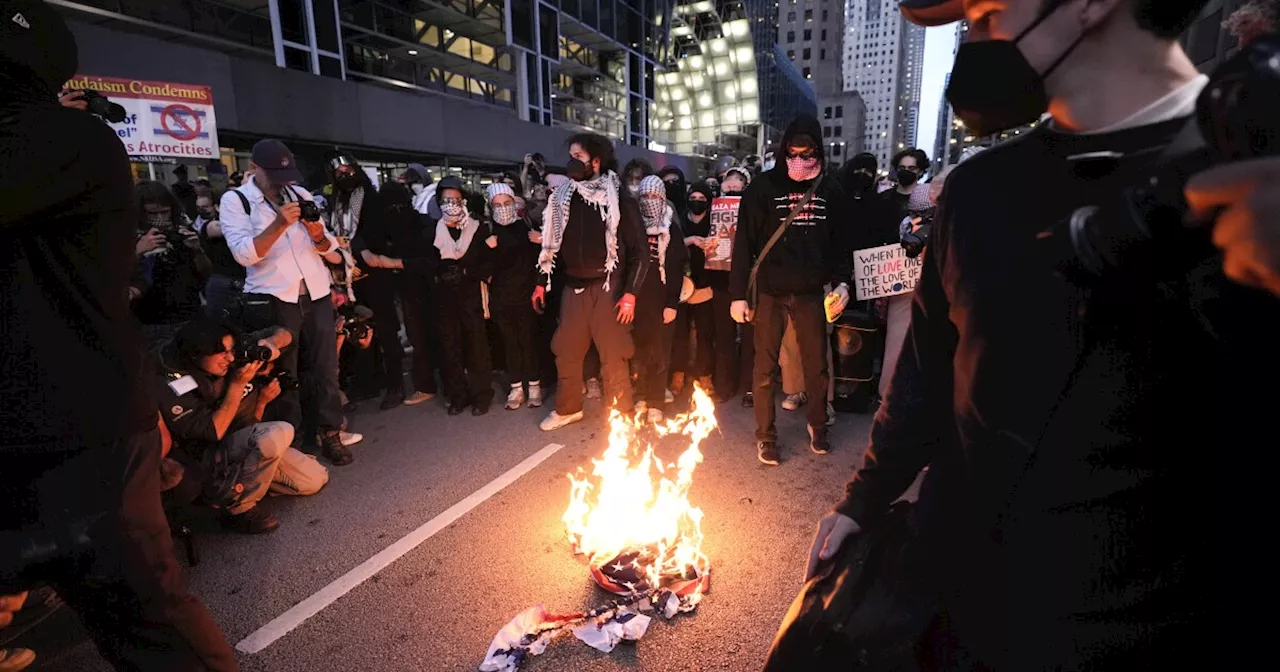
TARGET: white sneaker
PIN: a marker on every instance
(593, 389)
(417, 398)
(556, 421)
(669, 398)
(515, 399)
(535, 396)
(795, 401)
(831, 414)
(350, 438)
(656, 416)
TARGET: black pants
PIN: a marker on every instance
(129, 592)
(680, 341)
(313, 358)
(717, 333)
(415, 301)
(770, 323)
(464, 344)
(518, 325)
(587, 318)
(652, 344)
(378, 293)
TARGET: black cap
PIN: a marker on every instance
(34, 37)
(932, 12)
(274, 158)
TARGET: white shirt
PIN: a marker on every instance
(291, 260)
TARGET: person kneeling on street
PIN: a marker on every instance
(213, 394)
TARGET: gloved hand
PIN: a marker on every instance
(739, 311)
(836, 301)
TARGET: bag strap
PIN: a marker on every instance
(244, 200)
(752, 290)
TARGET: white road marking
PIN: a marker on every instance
(286, 622)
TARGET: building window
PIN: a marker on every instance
(808, 15)
(791, 36)
(826, 131)
(824, 34)
(826, 113)
(839, 129)
(791, 16)
(807, 74)
(791, 54)
(808, 34)
(807, 53)
(824, 15)
(839, 111)
(822, 54)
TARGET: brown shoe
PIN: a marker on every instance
(254, 521)
(333, 450)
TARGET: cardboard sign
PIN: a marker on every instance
(724, 224)
(879, 272)
(162, 119)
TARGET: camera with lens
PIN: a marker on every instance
(250, 351)
(1143, 231)
(101, 106)
(915, 233)
(288, 381)
(309, 211)
(356, 321)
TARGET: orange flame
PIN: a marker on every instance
(633, 501)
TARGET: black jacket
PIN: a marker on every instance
(74, 367)
(515, 265)
(583, 251)
(676, 262)
(402, 233)
(812, 252)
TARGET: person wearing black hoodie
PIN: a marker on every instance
(790, 281)
(80, 455)
(715, 327)
(677, 188)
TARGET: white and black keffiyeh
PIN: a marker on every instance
(343, 223)
(602, 194)
(657, 217)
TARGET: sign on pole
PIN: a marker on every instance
(884, 271)
(724, 224)
(163, 119)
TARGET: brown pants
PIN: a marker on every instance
(587, 317)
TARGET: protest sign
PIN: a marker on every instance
(163, 119)
(884, 271)
(724, 224)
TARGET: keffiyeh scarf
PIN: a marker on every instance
(657, 217)
(343, 222)
(662, 229)
(455, 249)
(602, 194)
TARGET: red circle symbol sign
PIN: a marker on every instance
(181, 122)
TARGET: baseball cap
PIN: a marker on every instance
(34, 37)
(932, 12)
(274, 158)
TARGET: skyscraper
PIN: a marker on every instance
(884, 61)
(812, 32)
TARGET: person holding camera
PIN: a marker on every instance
(212, 397)
(172, 267)
(276, 232)
(80, 504)
(1064, 522)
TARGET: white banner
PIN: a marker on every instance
(884, 271)
(162, 119)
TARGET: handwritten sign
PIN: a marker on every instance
(884, 271)
(724, 224)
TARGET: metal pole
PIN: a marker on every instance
(151, 171)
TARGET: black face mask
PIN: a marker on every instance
(347, 181)
(578, 171)
(860, 182)
(907, 178)
(698, 207)
(993, 88)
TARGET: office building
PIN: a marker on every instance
(812, 33)
(910, 72)
(784, 92)
(883, 62)
(942, 137)
(452, 84)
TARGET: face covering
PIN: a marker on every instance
(451, 210)
(159, 221)
(801, 169)
(347, 181)
(860, 182)
(651, 208)
(993, 88)
(698, 207)
(907, 178)
(504, 214)
(577, 170)
(418, 188)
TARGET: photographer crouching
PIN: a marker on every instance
(212, 395)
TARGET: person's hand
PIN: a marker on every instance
(833, 529)
(191, 241)
(696, 241)
(315, 230)
(389, 262)
(151, 240)
(8, 605)
(338, 323)
(535, 237)
(74, 99)
(1244, 200)
(626, 308)
(836, 302)
(289, 214)
(244, 374)
(739, 311)
(668, 315)
(709, 244)
(270, 392)
(539, 299)
(492, 242)
(365, 341)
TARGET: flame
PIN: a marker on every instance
(634, 502)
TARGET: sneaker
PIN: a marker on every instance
(391, 400)
(257, 520)
(535, 396)
(669, 397)
(795, 401)
(14, 660)
(515, 399)
(677, 382)
(748, 400)
(481, 407)
(593, 389)
(656, 416)
(349, 438)
(417, 398)
(333, 450)
(767, 452)
(556, 421)
(831, 415)
(818, 441)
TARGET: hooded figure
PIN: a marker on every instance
(353, 204)
(659, 296)
(792, 279)
(515, 274)
(419, 180)
(716, 359)
(83, 443)
(677, 188)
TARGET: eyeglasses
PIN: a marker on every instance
(451, 201)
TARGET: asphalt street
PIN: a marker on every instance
(438, 606)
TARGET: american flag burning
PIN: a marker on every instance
(631, 517)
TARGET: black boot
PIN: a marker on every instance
(457, 405)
